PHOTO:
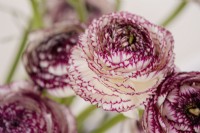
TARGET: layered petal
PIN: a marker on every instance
(120, 60)
(176, 107)
(23, 109)
(47, 55)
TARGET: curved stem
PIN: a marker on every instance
(109, 123)
(19, 53)
(175, 13)
(37, 18)
(38, 22)
(84, 115)
(80, 7)
(117, 5)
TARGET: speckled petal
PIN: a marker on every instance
(176, 107)
(120, 60)
(47, 55)
(23, 110)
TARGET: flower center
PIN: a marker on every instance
(195, 111)
(127, 37)
(17, 118)
(57, 47)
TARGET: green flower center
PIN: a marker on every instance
(195, 111)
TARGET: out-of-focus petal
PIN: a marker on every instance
(23, 109)
(47, 55)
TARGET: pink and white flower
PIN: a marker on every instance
(120, 60)
(24, 110)
(176, 107)
(47, 55)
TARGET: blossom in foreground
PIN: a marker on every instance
(47, 56)
(176, 107)
(23, 110)
(120, 60)
(61, 10)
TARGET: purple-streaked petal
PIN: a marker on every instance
(120, 60)
(23, 109)
(47, 55)
(176, 107)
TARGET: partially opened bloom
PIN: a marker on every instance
(176, 107)
(120, 60)
(62, 10)
(47, 55)
(23, 110)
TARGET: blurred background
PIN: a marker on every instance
(185, 29)
(14, 15)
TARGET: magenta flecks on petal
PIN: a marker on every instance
(23, 110)
(47, 56)
(120, 60)
(62, 10)
(176, 107)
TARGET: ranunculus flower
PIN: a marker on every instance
(47, 56)
(24, 110)
(176, 107)
(120, 60)
(61, 10)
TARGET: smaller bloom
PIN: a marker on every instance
(120, 60)
(176, 107)
(23, 110)
(47, 55)
(62, 10)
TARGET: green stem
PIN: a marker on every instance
(38, 22)
(18, 54)
(67, 101)
(109, 123)
(175, 13)
(117, 5)
(84, 115)
(80, 8)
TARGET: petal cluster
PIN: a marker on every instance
(120, 60)
(23, 110)
(61, 10)
(176, 107)
(47, 55)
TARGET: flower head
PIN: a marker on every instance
(176, 107)
(120, 60)
(62, 10)
(23, 110)
(47, 56)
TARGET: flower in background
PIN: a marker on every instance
(176, 107)
(120, 60)
(47, 56)
(23, 110)
(61, 10)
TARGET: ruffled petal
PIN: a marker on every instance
(120, 60)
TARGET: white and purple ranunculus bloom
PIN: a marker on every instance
(61, 10)
(176, 107)
(47, 55)
(120, 60)
(24, 110)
